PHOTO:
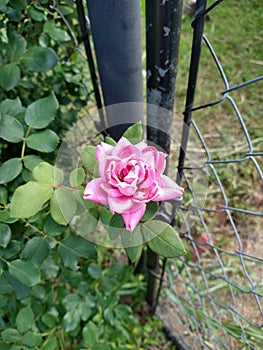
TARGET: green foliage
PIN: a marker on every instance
(28, 199)
(10, 169)
(134, 133)
(40, 113)
(57, 289)
(89, 160)
(163, 239)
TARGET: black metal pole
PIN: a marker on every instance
(198, 25)
(163, 27)
(116, 30)
(94, 78)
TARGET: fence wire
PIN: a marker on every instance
(213, 298)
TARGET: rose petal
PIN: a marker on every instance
(120, 204)
(129, 151)
(168, 189)
(103, 149)
(106, 165)
(112, 192)
(127, 189)
(121, 144)
(132, 218)
(94, 192)
(156, 158)
(141, 145)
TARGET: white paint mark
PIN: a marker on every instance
(154, 96)
(149, 74)
(162, 72)
(166, 31)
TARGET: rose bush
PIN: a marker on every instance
(130, 176)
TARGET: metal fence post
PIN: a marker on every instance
(93, 74)
(116, 31)
(163, 27)
(198, 25)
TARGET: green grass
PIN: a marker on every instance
(235, 31)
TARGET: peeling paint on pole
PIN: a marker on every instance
(163, 26)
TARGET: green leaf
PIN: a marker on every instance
(77, 177)
(11, 335)
(71, 320)
(163, 239)
(52, 228)
(133, 243)
(110, 141)
(86, 223)
(20, 289)
(43, 141)
(50, 344)
(134, 253)
(56, 33)
(131, 239)
(50, 320)
(50, 267)
(28, 199)
(89, 160)
(3, 3)
(105, 216)
(11, 250)
(24, 319)
(36, 250)
(150, 212)
(48, 174)
(31, 339)
(72, 248)
(11, 129)
(9, 76)
(40, 59)
(109, 315)
(85, 310)
(5, 287)
(5, 235)
(11, 107)
(134, 133)
(10, 169)
(116, 225)
(36, 14)
(39, 292)
(31, 161)
(41, 112)
(63, 205)
(56, 212)
(5, 217)
(16, 46)
(87, 204)
(3, 195)
(71, 301)
(94, 270)
(90, 334)
(25, 271)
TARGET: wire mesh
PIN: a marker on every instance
(213, 298)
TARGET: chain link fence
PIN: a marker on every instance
(213, 298)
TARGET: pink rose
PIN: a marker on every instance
(130, 177)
